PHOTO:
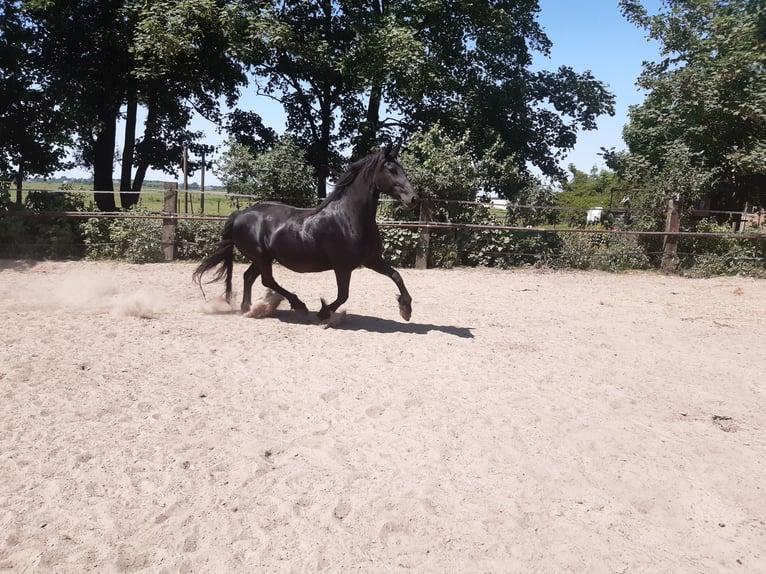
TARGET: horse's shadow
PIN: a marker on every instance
(354, 322)
(16, 264)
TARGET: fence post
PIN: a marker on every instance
(670, 243)
(421, 252)
(168, 234)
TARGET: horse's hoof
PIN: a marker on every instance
(324, 312)
(260, 310)
(334, 320)
(301, 310)
(405, 313)
(266, 306)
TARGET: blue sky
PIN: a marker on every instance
(593, 35)
(586, 35)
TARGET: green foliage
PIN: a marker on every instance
(33, 127)
(705, 110)
(722, 256)
(439, 166)
(196, 239)
(534, 193)
(45, 235)
(682, 175)
(603, 251)
(135, 239)
(399, 245)
(501, 248)
(281, 174)
(583, 191)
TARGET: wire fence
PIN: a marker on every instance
(496, 239)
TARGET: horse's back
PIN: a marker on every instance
(277, 231)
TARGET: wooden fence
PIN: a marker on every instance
(671, 235)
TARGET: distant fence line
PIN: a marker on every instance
(476, 202)
(700, 213)
(430, 225)
(171, 213)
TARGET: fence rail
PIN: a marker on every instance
(671, 236)
(430, 225)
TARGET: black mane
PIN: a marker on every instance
(364, 166)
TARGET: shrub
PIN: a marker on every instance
(712, 256)
(604, 251)
(399, 245)
(44, 236)
(135, 239)
(195, 239)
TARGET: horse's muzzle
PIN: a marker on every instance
(409, 203)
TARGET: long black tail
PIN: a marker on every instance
(223, 256)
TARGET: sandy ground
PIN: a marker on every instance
(523, 421)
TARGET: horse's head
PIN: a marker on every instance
(391, 179)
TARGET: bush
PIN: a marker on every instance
(195, 239)
(136, 239)
(712, 256)
(603, 251)
(399, 245)
(44, 236)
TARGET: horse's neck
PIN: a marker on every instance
(360, 200)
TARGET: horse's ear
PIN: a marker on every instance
(392, 151)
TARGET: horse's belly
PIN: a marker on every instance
(303, 264)
(298, 253)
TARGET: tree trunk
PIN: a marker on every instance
(368, 132)
(127, 198)
(103, 159)
(150, 133)
(138, 182)
(321, 183)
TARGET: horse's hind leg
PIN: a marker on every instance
(405, 300)
(251, 274)
(267, 278)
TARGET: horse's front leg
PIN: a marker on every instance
(405, 300)
(343, 279)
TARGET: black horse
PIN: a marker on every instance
(340, 234)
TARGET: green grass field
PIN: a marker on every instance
(152, 197)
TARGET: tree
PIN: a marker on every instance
(440, 167)
(280, 174)
(705, 112)
(85, 57)
(106, 59)
(34, 136)
(302, 51)
(184, 64)
(339, 66)
(473, 76)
